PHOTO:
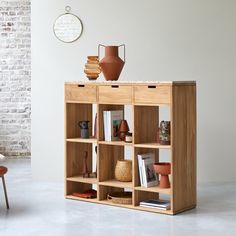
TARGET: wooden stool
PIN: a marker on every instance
(3, 171)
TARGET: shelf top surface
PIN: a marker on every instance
(132, 82)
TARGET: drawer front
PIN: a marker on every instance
(80, 93)
(115, 94)
(152, 94)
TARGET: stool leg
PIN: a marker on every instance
(5, 191)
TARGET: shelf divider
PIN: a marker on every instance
(152, 145)
(155, 189)
(82, 140)
(80, 179)
(116, 183)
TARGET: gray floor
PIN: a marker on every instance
(40, 209)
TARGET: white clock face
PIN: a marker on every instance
(68, 28)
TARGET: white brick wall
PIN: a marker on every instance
(15, 84)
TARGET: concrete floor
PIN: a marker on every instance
(40, 209)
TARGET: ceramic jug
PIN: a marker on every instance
(84, 128)
(111, 64)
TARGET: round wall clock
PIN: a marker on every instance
(68, 27)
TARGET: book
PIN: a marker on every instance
(115, 118)
(112, 121)
(149, 177)
(105, 130)
(154, 203)
(140, 170)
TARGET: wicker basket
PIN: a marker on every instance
(120, 197)
(123, 170)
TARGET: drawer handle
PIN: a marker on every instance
(115, 86)
(151, 86)
(81, 85)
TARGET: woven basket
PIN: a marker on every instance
(123, 170)
(120, 197)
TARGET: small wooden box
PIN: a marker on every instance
(81, 93)
(152, 94)
(115, 94)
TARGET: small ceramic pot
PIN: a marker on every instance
(123, 170)
(164, 169)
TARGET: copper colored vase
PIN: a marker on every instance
(111, 64)
(123, 129)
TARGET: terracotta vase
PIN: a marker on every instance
(163, 168)
(111, 64)
(123, 170)
(123, 129)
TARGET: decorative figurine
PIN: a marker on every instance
(164, 133)
(85, 167)
(84, 128)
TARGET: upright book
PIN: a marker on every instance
(148, 177)
(112, 121)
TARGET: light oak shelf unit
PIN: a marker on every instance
(145, 99)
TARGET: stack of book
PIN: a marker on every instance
(148, 177)
(111, 120)
(156, 204)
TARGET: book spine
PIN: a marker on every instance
(105, 125)
(109, 121)
(140, 169)
(155, 207)
(144, 173)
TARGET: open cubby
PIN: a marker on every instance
(105, 190)
(144, 195)
(108, 157)
(74, 187)
(144, 106)
(142, 151)
(75, 113)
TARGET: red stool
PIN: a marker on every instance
(3, 171)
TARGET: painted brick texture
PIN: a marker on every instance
(15, 78)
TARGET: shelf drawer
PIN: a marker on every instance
(152, 94)
(81, 93)
(115, 94)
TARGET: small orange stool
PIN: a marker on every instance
(3, 171)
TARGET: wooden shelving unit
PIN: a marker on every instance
(83, 99)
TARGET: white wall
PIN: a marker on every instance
(165, 40)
